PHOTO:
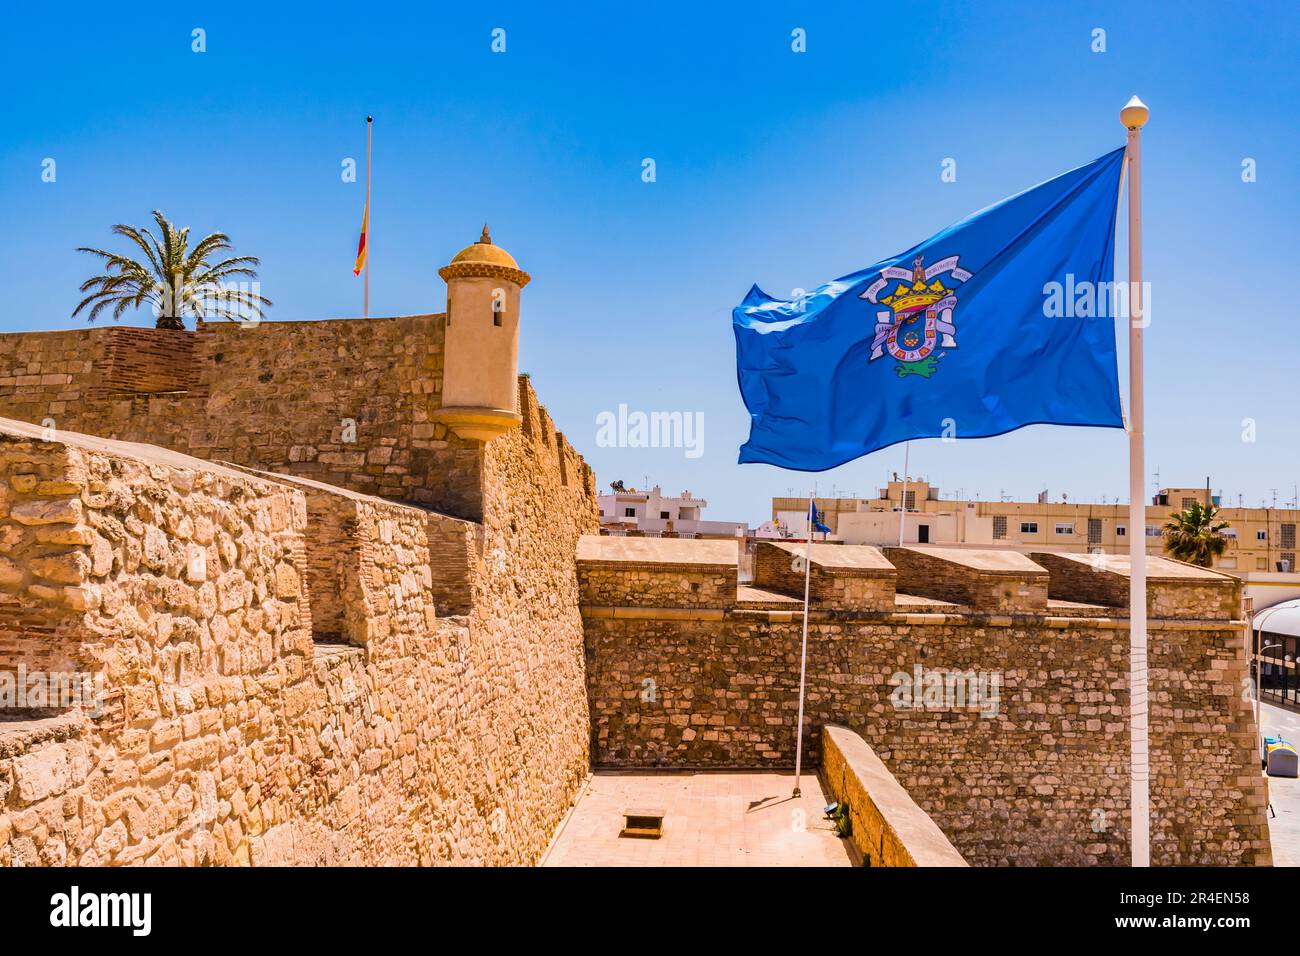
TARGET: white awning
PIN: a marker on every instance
(1282, 619)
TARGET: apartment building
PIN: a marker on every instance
(1260, 540)
(625, 510)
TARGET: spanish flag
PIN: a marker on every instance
(361, 243)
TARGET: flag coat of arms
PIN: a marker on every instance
(1002, 320)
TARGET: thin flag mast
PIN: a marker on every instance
(1133, 116)
(363, 243)
(803, 652)
(902, 510)
(370, 126)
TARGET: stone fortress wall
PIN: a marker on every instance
(287, 679)
(710, 680)
(346, 609)
(330, 628)
(349, 402)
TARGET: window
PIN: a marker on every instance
(1288, 561)
(1188, 502)
(1288, 536)
(1154, 532)
(1064, 528)
(1094, 531)
(1261, 535)
(999, 526)
(1029, 527)
(1120, 531)
(909, 500)
(629, 512)
(663, 514)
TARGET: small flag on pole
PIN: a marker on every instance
(361, 243)
(814, 519)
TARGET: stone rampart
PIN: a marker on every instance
(279, 685)
(1001, 711)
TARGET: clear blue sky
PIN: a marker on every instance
(773, 167)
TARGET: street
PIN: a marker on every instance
(1283, 792)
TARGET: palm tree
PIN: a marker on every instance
(1194, 536)
(174, 279)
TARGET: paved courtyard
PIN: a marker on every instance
(1283, 792)
(712, 819)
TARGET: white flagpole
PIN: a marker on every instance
(1133, 116)
(803, 653)
(902, 511)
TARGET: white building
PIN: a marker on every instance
(957, 526)
(773, 530)
(651, 513)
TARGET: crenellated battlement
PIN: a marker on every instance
(848, 580)
(991, 684)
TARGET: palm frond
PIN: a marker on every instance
(141, 238)
(1193, 535)
(209, 244)
(177, 280)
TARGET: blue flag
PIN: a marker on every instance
(1000, 321)
(815, 521)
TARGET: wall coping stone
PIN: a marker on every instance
(843, 559)
(683, 553)
(1158, 568)
(914, 834)
(986, 561)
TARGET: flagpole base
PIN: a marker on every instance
(797, 793)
